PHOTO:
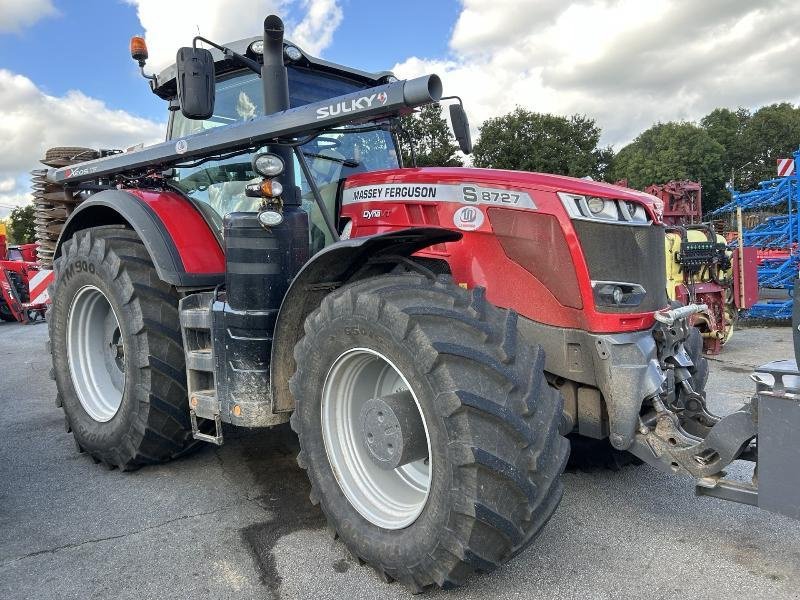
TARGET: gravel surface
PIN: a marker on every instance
(235, 522)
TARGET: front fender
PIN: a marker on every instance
(182, 246)
(340, 263)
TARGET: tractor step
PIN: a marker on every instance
(227, 365)
(204, 405)
(196, 327)
(200, 360)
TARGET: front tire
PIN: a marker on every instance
(117, 353)
(494, 453)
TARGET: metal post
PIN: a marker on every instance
(741, 255)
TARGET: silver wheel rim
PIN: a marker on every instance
(95, 353)
(389, 499)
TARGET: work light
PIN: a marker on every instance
(267, 164)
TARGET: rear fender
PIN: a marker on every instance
(340, 263)
(184, 249)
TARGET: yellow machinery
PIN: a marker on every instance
(699, 270)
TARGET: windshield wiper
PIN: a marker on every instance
(347, 162)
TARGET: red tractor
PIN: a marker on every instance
(434, 335)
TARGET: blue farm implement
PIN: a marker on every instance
(775, 236)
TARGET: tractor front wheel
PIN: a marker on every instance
(427, 428)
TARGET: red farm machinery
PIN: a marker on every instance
(23, 288)
(436, 337)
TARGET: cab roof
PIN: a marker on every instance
(165, 84)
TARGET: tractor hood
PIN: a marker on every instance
(509, 180)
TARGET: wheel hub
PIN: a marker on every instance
(392, 430)
(96, 353)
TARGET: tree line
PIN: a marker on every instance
(723, 144)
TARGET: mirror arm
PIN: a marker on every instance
(456, 98)
(242, 60)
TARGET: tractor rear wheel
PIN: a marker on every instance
(117, 353)
(427, 428)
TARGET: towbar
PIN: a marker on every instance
(668, 317)
(384, 101)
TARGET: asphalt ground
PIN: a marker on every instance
(235, 521)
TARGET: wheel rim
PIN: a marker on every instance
(392, 499)
(96, 354)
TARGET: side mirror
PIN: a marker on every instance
(195, 82)
(458, 118)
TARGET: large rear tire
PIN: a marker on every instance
(494, 453)
(117, 353)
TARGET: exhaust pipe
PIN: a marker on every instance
(275, 87)
(422, 90)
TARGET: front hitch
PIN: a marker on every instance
(678, 434)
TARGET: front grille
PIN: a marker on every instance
(627, 254)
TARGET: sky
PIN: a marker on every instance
(66, 77)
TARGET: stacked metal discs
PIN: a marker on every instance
(52, 204)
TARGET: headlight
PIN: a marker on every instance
(595, 205)
(617, 293)
(610, 210)
(347, 230)
(257, 47)
(267, 164)
(270, 218)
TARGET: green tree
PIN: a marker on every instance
(528, 141)
(21, 224)
(434, 143)
(771, 133)
(669, 151)
(726, 127)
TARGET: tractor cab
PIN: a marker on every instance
(218, 187)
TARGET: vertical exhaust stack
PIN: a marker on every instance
(275, 85)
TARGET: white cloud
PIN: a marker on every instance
(32, 121)
(625, 63)
(315, 31)
(169, 25)
(15, 15)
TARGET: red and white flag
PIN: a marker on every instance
(785, 167)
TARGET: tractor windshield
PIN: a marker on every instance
(331, 157)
